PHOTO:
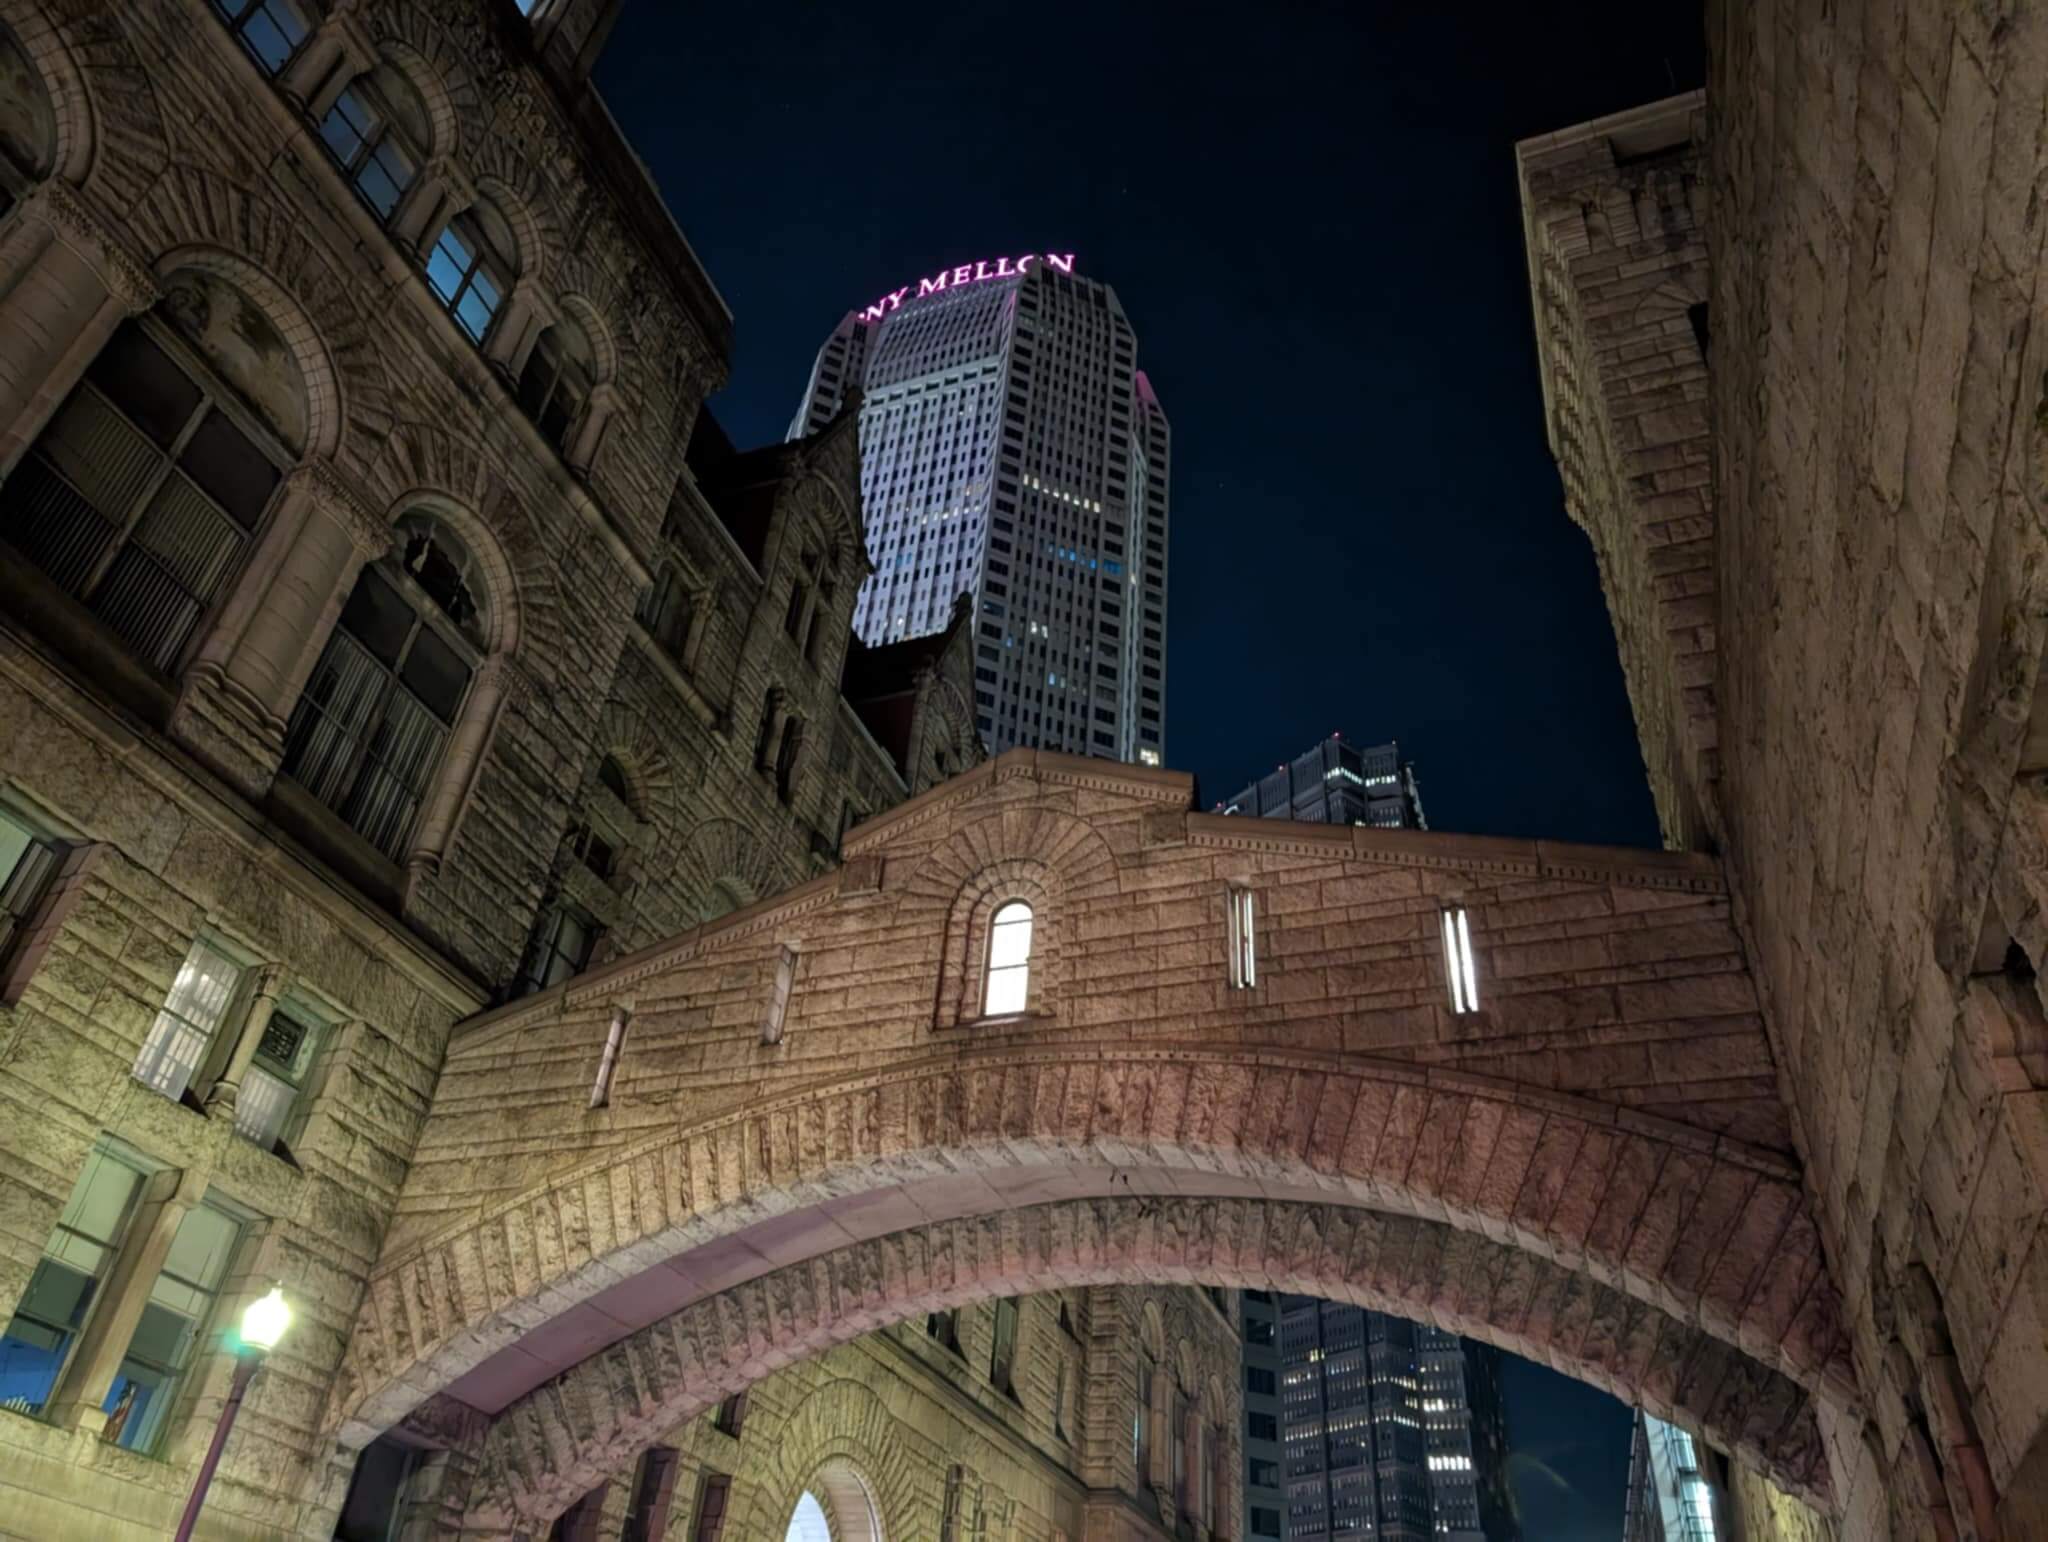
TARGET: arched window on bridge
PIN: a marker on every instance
(1009, 961)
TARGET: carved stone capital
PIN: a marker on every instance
(73, 222)
(447, 174)
(318, 481)
(508, 677)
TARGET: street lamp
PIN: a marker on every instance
(264, 1322)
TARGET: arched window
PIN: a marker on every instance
(378, 131)
(367, 735)
(471, 267)
(1009, 960)
(271, 30)
(835, 1507)
(556, 382)
(143, 494)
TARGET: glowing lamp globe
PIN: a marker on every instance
(265, 1320)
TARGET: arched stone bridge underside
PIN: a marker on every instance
(1592, 1170)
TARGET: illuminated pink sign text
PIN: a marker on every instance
(968, 273)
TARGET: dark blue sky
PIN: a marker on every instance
(1309, 213)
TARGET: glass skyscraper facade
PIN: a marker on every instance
(1672, 1495)
(1391, 1431)
(1012, 450)
(1337, 783)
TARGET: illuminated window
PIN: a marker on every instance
(1244, 970)
(145, 1388)
(1459, 971)
(191, 1014)
(1009, 960)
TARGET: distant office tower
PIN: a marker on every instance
(1377, 1427)
(1012, 449)
(1264, 1497)
(1672, 1496)
(1337, 783)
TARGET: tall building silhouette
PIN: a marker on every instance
(1390, 1430)
(1012, 450)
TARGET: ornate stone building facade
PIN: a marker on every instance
(385, 631)
(1018, 1418)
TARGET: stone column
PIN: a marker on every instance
(66, 282)
(337, 52)
(221, 1096)
(526, 315)
(436, 196)
(239, 691)
(499, 683)
(598, 412)
(122, 1294)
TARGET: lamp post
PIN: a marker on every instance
(263, 1323)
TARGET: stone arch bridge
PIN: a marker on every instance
(807, 1131)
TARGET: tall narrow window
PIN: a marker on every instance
(471, 268)
(1459, 970)
(563, 941)
(139, 1403)
(60, 1291)
(191, 1014)
(711, 1503)
(1002, 1359)
(140, 498)
(778, 995)
(1244, 967)
(1141, 1425)
(943, 1328)
(786, 758)
(647, 1518)
(27, 863)
(556, 382)
(367, 734)
(377, 131)
(667, 613)
(732, 1415)
(269, 1097)
(271, 30)
(1059, 1397)
(1009, 961)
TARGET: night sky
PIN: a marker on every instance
(1310, 215)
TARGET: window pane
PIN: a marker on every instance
(178, 559)
(141, 380)
(436, 674)
(198, 1000)
(378, 617)
(1010, 937)
(140, 1400)
(385, 176)
(403, 748)
(332, 718)
(54, 1305)
(262, 1105)
(1006, 990)
(273, 31)
(449, 264)
(348, 126)
(229, 469)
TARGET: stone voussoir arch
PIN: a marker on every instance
(842, 1428)
(1698, 1228)
(558, 1441)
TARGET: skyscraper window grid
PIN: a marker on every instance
(1012, 450)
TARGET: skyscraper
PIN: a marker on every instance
(1336, 782)
(1264, 1495)
(1378, 1426)
(1011, 449)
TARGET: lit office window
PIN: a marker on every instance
(1458, 966)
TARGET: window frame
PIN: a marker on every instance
(237, 22)
(214, 395)
(291, 1120)
(387, 129)
(427, 613)
(468, 233)
(215, 1038)
(990, 969)
(582, 379)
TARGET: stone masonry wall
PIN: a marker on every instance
(1878, 173)
(1614, 213)
(911, 1418)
